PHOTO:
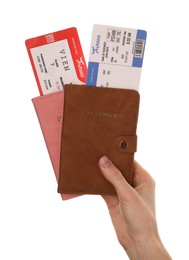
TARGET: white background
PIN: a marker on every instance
(34, 222)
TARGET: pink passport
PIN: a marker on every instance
(49, 110)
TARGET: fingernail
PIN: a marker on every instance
(104, 162)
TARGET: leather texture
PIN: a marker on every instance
(97, 121)
(49, 109)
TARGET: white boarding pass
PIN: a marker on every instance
(116, 57)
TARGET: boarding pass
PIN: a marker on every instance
(57, 59)
(116, 57)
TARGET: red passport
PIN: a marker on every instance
(49, 110)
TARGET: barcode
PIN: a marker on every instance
(139, 48)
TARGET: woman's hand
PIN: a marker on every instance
(133, 212)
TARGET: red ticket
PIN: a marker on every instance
(57, 59)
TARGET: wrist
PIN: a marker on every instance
(152, 249)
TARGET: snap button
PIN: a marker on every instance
(123, 145)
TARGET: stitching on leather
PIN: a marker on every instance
(47, 96)
(86, 88)
(87, 193)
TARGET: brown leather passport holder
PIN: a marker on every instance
(97, 121)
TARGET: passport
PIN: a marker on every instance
(97, 122)
(49, 110)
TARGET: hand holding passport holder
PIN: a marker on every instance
(49, 109)
(97, 122)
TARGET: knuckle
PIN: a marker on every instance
(152, 183)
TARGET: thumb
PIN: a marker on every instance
(124, 191)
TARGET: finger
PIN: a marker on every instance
(111, 201)
(114, 211)
(113, 175)
(144, 185)
(140, 176)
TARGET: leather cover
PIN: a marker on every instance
(49, 109)
(97, 121)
